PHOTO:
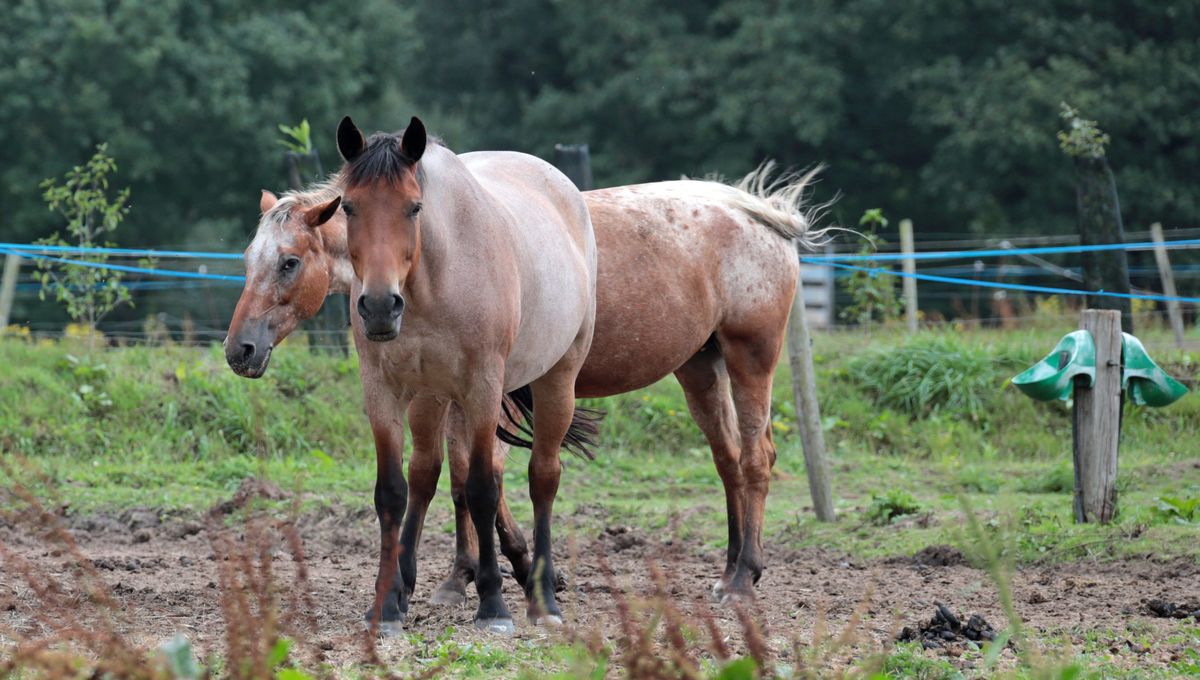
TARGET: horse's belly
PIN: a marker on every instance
(553, 316)
(657, 301)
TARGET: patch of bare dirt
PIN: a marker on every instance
(163, 573)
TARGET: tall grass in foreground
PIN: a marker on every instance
(79, 621)
(269, 623)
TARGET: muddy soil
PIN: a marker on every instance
(163, 576)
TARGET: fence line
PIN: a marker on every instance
(126, 252)
(999, 252)
(1004, 286)
(836, 260)
(171, 273)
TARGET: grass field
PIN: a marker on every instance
(172, 429)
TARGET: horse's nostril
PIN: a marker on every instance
(380, 306)
(247, 350)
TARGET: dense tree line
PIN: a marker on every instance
(943, 110)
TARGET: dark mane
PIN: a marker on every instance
(383, 159)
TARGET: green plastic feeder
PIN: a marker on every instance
(1143, 380)
(1053, 377)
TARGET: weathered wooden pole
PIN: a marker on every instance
(808, 411)
(1097, 422)
(910, 268)
(1098, 215)
(8, 287)
(575, 161)
(1168, 282)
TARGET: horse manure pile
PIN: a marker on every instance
(1165, 609)
(946, 629)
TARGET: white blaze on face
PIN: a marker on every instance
(269, 241)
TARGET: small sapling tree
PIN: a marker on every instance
(874, 297)
(82, 198)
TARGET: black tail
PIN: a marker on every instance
(581, 437)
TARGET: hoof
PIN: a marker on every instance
(496, 626)
(448, 596)
(731, 598)
(387, 629)
(718, 590)
(548, 621)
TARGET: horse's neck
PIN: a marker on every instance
(337, 254)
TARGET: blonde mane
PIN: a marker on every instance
(313, 194)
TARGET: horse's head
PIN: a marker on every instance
(382, 199)
(288, 275)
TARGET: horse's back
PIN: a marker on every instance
(536, 192)
(678, 261)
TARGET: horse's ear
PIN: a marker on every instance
(267, 201)
(320, 214)
(413, 143)
(350, 139)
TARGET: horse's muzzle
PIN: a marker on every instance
(381, 316)
(249, 351)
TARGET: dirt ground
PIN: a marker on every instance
(163, 575)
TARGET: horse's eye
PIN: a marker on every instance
(415, 209)
(289, 265)
(347, 208)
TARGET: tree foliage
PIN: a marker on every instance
(942, 111)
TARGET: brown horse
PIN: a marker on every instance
(659, 245)
(298, 256)
(696, 278)
(490, 260)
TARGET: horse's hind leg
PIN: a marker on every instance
(512, 540)
(453, 590)
(705, 383)
(482, 410)
(553, 411)
(750, 358)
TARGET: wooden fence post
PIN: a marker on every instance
(1099, 222)
(575, 161)
(910, 268)
(1168, 282)
(808, 411)
(1097, 422)
(8, 287)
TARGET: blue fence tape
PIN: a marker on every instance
(1000, 252)
(34, 252)
(125, 252)
(877, 257)
(994, 284)
(170, 273)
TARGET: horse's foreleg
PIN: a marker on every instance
(705, 384)
(483, 495)
(750, 363)
(426, 418)
(453, 590)
(391, 497)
